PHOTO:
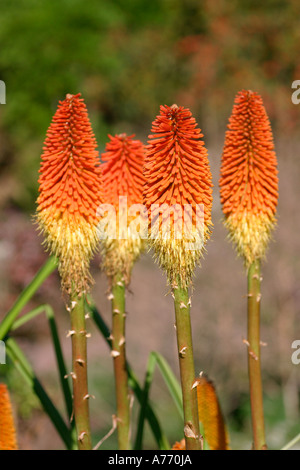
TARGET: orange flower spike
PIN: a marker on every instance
(210, 415)
(70, 185)
(122, 170)
(8, 440)
(249, 182)
(177, 173)
(179, 445)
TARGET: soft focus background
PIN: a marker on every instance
(127, 58)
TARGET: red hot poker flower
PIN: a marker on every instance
(177, 175)
(8, 440)
(249, 182)
(122, 170)
(70, 185)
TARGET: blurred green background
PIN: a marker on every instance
(127, 58)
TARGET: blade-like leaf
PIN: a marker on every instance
(170, 380)
(21, 363)
(26, 295)
(144, 402)
(65, 385)
(157, 431)
(290, 444)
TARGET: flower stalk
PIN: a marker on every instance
(187, 368)
(70, 194)
(178, 178)
(119, 357)
(249, 195)
(122, 170)
(254, 357)
(79, 373)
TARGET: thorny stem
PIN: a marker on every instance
(119, 358)
(254, 366)
(79, 373)
(187, 368)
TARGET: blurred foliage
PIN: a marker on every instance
(127, 58)
(24, 399)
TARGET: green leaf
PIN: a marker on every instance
(144, 402)
(156, 429)
(27, 317)
(21, 363)
(290, 444)
(26, 295)
(172, 384)
(57, 349)
(171, 381)
(64, 381)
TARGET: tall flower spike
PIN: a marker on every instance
(123, 180)
(70, 184)
(178, 197)
(123, 191)
(8, 440)
(177, 193)
(249, 182)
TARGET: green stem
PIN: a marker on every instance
(79, 373)
(254, 366)
(26, 295)
(119, 358)
(187, 368)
